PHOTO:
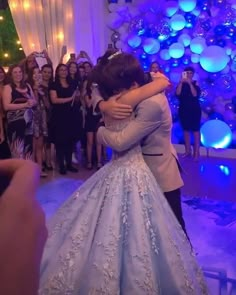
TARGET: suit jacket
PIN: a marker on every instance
(152, 127)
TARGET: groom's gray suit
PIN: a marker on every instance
(152, 127)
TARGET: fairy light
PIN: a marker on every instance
(20, 48)
(60, 36)
(26, 5)
(6, 55)
(1, 18)
(18, 42)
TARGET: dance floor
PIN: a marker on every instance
(209, 205)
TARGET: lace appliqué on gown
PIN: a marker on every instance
(117, 235)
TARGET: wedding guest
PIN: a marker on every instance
(40, 128)
(47, 79)
(18, 102)
(188, 93)
(62, 129)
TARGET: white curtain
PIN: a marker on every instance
(50, 24)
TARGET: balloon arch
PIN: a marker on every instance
(179, 33)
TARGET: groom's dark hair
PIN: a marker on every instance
(121, 72)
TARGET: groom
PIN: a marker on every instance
(152, 127)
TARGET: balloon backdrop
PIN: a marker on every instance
(179, 33)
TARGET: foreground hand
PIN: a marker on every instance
(21, 214)
(116, 110)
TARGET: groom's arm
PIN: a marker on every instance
(110, 107)
(146, 121)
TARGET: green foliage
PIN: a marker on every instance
(8, 40)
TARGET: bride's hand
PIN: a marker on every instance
(159, 76)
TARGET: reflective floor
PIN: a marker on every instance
(209, 205)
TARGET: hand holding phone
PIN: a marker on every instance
(64, 50)
(184, 75)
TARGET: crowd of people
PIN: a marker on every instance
(39, 109)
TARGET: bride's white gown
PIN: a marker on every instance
(117, 235)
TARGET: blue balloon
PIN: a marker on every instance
(164, 54)
(214, 59)
(176, 50)
(177, 22)
(185, 39)
(216, 134)
(197, 45)
(188, 5)
(134, 41)
(171, 7)
(151, 46)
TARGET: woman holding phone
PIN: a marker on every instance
(188, 93)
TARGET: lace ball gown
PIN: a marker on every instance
(117, 235)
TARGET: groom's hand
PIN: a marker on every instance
(114, 109)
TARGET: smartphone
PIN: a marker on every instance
(184, 75)
(64, 50)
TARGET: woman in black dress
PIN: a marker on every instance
(62, 120)
(188, 93)
(18, 102)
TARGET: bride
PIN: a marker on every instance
(117, 234)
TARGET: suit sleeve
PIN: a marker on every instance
(147, 120)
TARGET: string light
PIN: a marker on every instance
(20, 48)
(18, 42)
(26, 5)
(1, 18)
(60, 36)
(6, 55)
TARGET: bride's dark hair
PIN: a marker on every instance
(121, 72)
(96, 75)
